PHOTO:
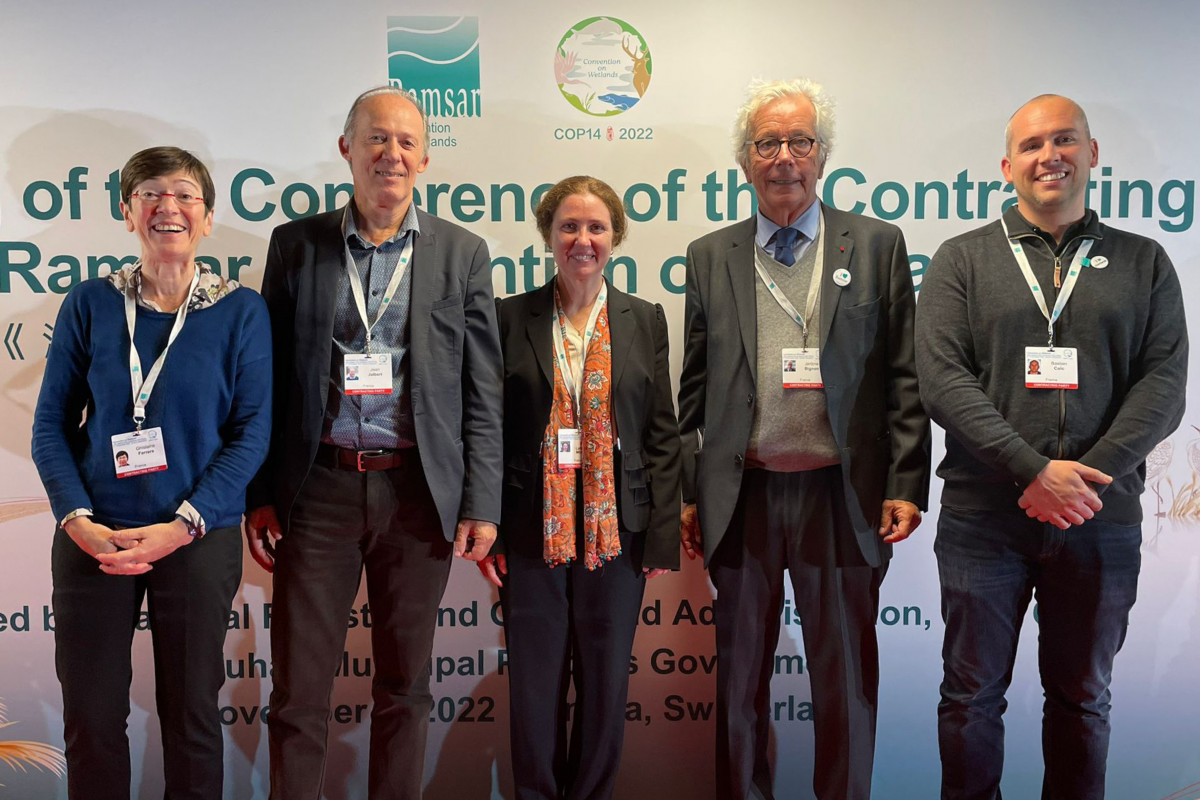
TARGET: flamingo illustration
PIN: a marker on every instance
(564, 62)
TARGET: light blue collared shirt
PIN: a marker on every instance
(370, 421)
(808, 224)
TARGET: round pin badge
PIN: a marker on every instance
(842, 277)
(1098, 262)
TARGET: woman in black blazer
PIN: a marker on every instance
(591, 496)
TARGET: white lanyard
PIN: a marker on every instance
(143, 384)
(560, 348)
(356, 285)
(1064, 294)
(814, 285)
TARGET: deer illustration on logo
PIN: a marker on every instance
(641, 75)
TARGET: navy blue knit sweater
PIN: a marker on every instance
(212, 401)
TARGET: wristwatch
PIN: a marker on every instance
(194, 530)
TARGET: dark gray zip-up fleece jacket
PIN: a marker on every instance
(976, 316)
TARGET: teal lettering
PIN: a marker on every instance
(465, 196)
(237, 188)
(287, 199)
(630, 272)
(666, 275)
(25, 269)
(654, 202)
(61, 282)
(877, 198)
(830, 187)
(30, 199)
(1184, 211)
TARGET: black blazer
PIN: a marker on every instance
(867, 363)
(455, 365)
(647, 463)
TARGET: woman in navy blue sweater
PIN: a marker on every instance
(145, 452)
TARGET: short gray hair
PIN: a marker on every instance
(348, 128)
(762, 93)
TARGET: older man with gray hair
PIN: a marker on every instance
(385, 456)
(805, 445)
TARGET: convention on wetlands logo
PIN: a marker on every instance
(436, 60)
(602, 66)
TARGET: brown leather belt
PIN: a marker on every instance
(364, 460)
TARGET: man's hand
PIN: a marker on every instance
(473, 539)
(91, 537)
(492, 567)
(263, 532)
(689, 532)
(142, 546)
(899, 519)
(1061, 494)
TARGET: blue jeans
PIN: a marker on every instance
(990, 563)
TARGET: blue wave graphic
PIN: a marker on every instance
(438, 40)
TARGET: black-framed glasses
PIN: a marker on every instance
(182, 198)
(799, 146)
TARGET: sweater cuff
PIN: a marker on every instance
(192, 517)
(1107, 458)
(1025, 465)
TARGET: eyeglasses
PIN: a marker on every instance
(182, 198)
(799, 146)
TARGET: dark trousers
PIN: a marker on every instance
(342, 523)
(795, 521)
(990, 563)
(189, 596)
(560, 625)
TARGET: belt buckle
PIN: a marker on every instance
(359, 457)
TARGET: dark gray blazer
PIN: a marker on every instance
(455, 365)
(647, 465)
(866, 362)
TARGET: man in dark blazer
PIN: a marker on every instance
(805, 446)
(385, 453)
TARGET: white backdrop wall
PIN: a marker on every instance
(259, 90)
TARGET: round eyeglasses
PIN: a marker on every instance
(799, 146)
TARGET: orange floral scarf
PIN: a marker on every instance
(601, 539)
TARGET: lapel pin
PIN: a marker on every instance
(1098, 262)
(842, 277)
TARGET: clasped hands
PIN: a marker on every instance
(1062, 494)
(128, 551)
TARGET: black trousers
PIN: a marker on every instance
(189, 595)
(563, 625)
(343, 523)
(795, 521)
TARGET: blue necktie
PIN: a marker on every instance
(784, 239)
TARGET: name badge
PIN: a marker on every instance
(139, 452)
(367, 373)
(1047, 368)
(802, 368)
(569, 453)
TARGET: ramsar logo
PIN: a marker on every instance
(436, 59)
(602, 66)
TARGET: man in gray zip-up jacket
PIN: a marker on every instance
(1050, 406)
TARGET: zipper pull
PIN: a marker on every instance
(1057, 272)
